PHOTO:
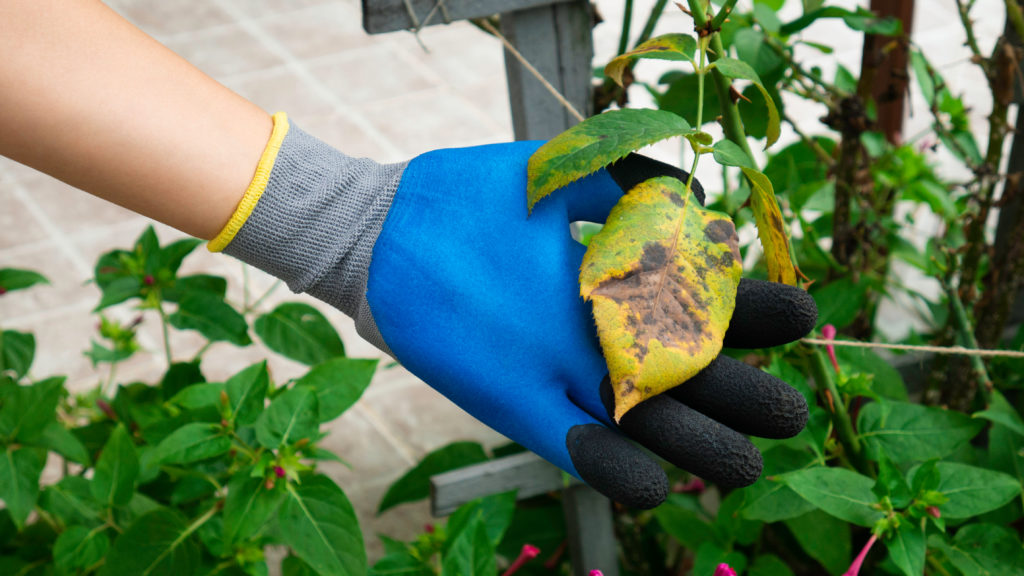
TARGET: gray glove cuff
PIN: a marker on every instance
(316, 223)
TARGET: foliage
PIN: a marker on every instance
(178, 475)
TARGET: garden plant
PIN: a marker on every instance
(898, 471)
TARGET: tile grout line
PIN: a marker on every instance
(404, 450)
(296, 65)
(55, 233)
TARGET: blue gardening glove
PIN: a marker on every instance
(439, 265)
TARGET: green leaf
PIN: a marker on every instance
(753, 48)
(159, 543)
(740, 70)
(211, 317)
(494, 511)
(1001, 412)
(907, 548)
(79, 547)
(769, 565)
(193, 442)
(824, 538)
(471, 552)
(290, 417)
(20, 470)
(661, 257)
(983, 550)
(70, 501)
(682, 518)
(118, 290)
(170, 256)
(293, 566)
(28, 410)
(860, 20)
(415, 484)
(728, 153)
(839, 302)
(57, 438)
(710, 555)
(593, 144)
(912, 432)
(100, 354)
(299, 332)
(215, 286)
(17, 350)
(198, 396)
(338, 384)
(249, 506)
(113, 481)
(664, 47)
(891, 482)
(972, 490)
(771, 229)
(180, 376)
(12, 279)
(246, 392)
(772, 501)
(681, 96)
(886, 382)
(842, 493)
(317, 521)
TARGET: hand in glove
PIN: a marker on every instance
(439, 265)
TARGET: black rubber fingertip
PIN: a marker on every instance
(770, 314)
(635, 168)
(613, 466)
(693, 442)
(746, 399)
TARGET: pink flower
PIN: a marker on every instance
(855, 567)
(596, 573)
(148, 280)
(695, 485)
(933, 511)
(828, 332)
(279, 472)
(724, 570)
(529, 552)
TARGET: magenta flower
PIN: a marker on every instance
(529, 552)
(279, 472)
(724, 570)
(854, 568)
(933, 511)
(596, 573)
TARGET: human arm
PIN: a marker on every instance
(88, 98)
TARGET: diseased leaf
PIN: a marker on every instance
(593, 144)
(665, 47)
(740, 70)
(662, 276)
(771, 229)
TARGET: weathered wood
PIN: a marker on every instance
(557, 41)
(390, 15)
(526, 473)
(591, 529)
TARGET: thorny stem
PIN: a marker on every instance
(965, 19)
(966, 333)
(811, 143)
(723, 13)
(840, 417)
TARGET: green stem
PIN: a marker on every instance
(966, 334)
(627, 21)
(245, 286)
(723, 13)
(199, 354)
(652, 21)
(840, 417)
(701, 71)
(166, 332)
(106, 389)
(256, 304)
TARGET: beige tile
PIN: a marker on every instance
(425, 420)
(224, 51)
(280, 90)
(67, 285)
(259, 8)
(458, 53)
(431, 119)
(369, 74)
(355, 439)
(319, 31)
(162, 18)
(402, 522)
(18, 227)
(490, 95)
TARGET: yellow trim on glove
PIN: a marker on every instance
(256, 187)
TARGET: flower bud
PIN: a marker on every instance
(724, 569)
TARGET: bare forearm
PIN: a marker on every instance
(88, 98)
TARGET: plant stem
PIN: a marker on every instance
(966, 333)
(723, 13)
(273, 288)
(652, 21)
(701, 71)
(245, 286)
(840, 417)
(627, 21)
(166, 332)
(110, 380)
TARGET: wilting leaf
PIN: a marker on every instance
(593, 144)
(662, 276)
(665, 47)
(738, 69)
(771, 230)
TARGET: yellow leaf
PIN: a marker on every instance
(665, 47)
(662, 277)
(771, 229)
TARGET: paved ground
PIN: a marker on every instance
(382, 97)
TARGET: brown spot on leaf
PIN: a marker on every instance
(719, 230)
